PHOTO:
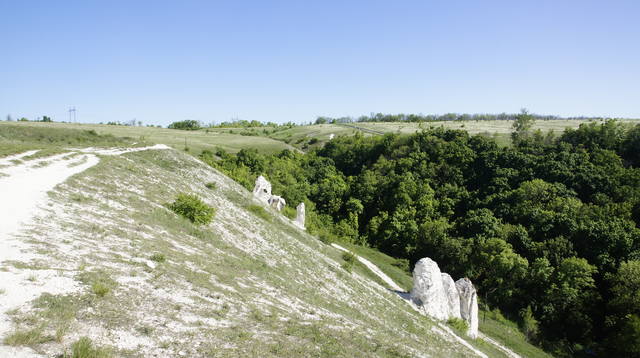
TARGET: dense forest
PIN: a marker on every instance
(547, 229)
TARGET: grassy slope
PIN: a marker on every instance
(196, 140)
(498, 328)
(19, 137)
(245, 285)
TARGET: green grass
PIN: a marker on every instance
(84, 348)
(100, 282)
(28, 337)
(387, 264)
(23, 136)
(260, 212)
(196, 141)
(507, 333)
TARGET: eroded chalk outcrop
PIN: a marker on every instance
(300, 215)
(468, 305)
(262, 192)
(262, 189)
(428, 290)
(442, 298)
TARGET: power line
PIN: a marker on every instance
(72, 112)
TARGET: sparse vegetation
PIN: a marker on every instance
(260, 212)
(459, 324)
(28, 337)
(158, 257)
(193, 208)
(349, 260)
(99, 281)
(84, 348)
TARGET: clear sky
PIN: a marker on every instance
(162, 61)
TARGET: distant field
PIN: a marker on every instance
(196, 141)
(269, 140)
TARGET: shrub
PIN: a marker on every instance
(459, 324)
(84, 348)
(100, 289)
(189, 125)
(192, 208)
(211, 185)
(158, 258)
(349, 260)
(529, 324)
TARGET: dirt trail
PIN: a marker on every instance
(23, 189)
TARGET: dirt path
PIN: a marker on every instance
(23, 189)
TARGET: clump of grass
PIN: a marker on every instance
(99, 281)
(192, 208)
(459, 324)
(349, 260)
(145, 330)
(84, 348)
(158, 257)
(27, 337)
(100, 289)
(259, 212)
(211, 185)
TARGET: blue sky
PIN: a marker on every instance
(162, 61)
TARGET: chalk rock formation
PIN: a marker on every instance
(468, 305)
(300, 215)
(428, 290)
(277, 202)
(453, 297)
(262, 190)
(441, 298)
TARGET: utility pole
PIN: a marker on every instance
(72, 113)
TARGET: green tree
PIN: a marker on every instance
(522, 126)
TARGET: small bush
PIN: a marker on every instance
(349, 260)
(84, 348)
(211, 185)
(100, 289)
(158, 258)
(459, 324)
(529, 324)
(192, 208)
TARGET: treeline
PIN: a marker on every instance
(417, 118)
(547, 229)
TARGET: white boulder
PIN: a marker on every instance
(277, 202)
(300, 215)
(262, 189)
(468, 305)
(453, 297)
(428, 290)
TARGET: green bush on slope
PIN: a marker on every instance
(192, 208)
